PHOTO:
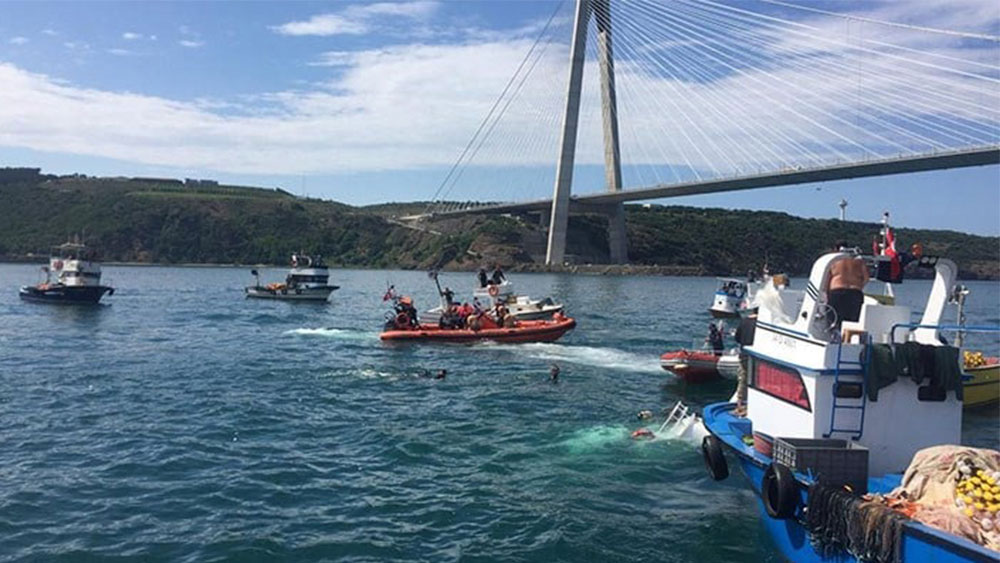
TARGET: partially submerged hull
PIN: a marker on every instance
(291, 294)
(58, 293)
(526, 331)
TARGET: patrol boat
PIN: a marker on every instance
(307, 280)
(78, 278)
(833, 413)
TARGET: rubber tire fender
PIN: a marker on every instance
(715, 461)
(779, 491)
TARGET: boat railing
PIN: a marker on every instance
(946, 327)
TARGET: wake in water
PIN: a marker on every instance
(337, 333)
(608, 358)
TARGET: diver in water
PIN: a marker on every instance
(554, 373)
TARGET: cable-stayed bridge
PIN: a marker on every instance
(705, 96)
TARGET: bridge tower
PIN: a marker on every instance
(559, 219)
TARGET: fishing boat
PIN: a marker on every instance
(307, 280)
(78, 278)
(982, 382)
(982, 388)
(830, 416)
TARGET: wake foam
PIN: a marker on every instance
(607, 358)
(338, 333)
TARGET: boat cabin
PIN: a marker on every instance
(810, 378)
(73, 265)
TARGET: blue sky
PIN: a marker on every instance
(371, 102)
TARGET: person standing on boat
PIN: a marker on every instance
(714, 339)
(498, 277)
(449, 296)
(847, 279)
(483, 279)
(744, 338)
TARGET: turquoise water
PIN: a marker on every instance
(181, 422)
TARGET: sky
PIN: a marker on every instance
(368, 102)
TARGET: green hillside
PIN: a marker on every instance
(166, 221)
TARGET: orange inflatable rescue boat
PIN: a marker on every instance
(522, 331)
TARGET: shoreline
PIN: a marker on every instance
(529, 268)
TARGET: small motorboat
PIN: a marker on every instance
(78, 278)
(521, 307)
(697, 366)
(306, 281)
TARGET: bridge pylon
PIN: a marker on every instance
(559, 220)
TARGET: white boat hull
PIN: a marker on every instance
(291, 294)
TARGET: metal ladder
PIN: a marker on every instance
(677, 414)
(839, 402)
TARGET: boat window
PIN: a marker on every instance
(780, 382)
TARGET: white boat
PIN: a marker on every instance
(732, 296)
(307, 280)
(520, 306)
(78, 278)
(830, 406)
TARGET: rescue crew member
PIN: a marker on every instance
(498, 277)
(483, 279)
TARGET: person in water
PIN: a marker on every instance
(845, 281)
(483, 279)
(498, 277)
(714, 339)
(554, 373)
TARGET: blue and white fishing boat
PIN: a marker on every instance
(307, 280)
(824, 410)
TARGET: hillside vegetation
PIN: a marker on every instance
(145, 220)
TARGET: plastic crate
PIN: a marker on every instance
(830, 461)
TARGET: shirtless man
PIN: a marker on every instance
(848, 277)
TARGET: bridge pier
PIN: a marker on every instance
(559, 218)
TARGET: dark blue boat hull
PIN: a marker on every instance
(79, 295)
(919, 543)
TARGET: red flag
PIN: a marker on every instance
(890, 250)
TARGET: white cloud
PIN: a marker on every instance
(356, 19)
(324, 24)
(191, 44)
(18, 40)
(413, 106)
(120, 52)
(131, 36)
(50, 32)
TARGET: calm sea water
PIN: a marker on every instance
(181, 422)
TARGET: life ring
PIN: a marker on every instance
(402, 320)
(493, 291)
(779, 491)
(715, 461)
(643, 433)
